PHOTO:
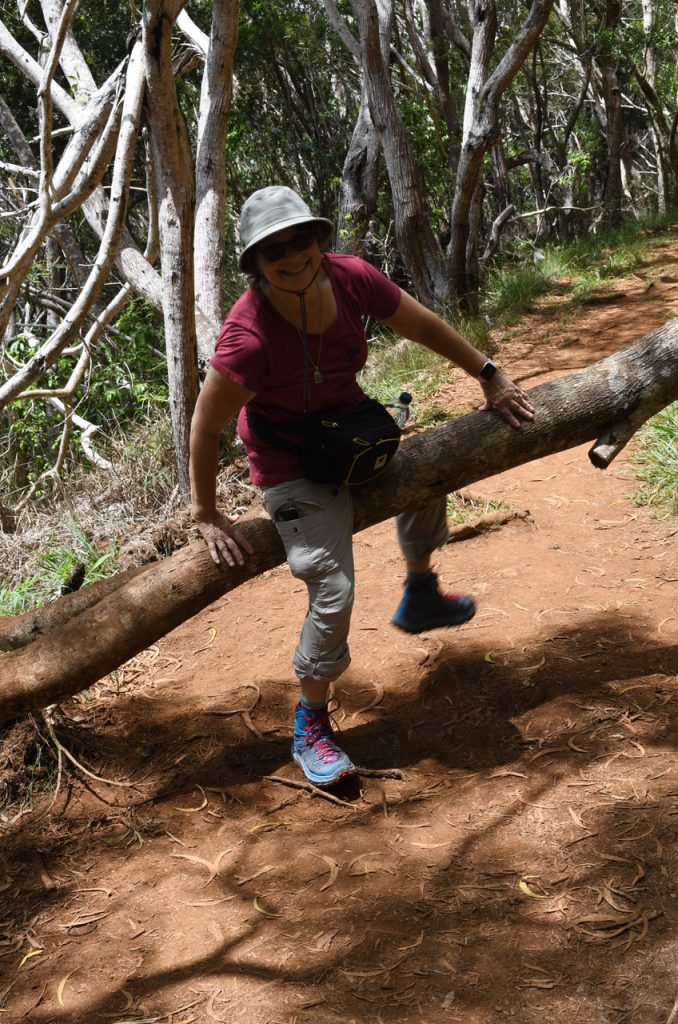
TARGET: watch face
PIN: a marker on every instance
(488, 371)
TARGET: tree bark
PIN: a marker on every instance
(481, 129)
(358, 191)
(210, 170)
(111, 235)
(613, 114)
(608, 400)
(416, 242)
(176, 191)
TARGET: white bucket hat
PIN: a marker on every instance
(271, 210)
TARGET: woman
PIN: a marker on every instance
(293, 344)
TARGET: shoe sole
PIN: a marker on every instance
(406, 628)
(322, 782)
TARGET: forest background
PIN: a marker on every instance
(467, 149)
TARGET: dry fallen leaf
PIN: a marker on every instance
(266, 913)
(266, 826)
(209, 1009)
(62, 986)
(194, 810)
(29, 956)
(213, 634)
(576, 818)
(213, 868)
(368, 871)
(378, 697)
(334, 870)
(524, 887)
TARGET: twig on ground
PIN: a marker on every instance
(310, 788)
(674, 1013)
(245, 713)
(282, 803)
(379, 773)
(62, 749)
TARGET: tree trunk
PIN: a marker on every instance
(359, 180)
(608, 401)
(358, 191)
(210, 169)
(416, 242)
(481, 129)
(173, 163)
(614, 125)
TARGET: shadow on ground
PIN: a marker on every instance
(531, 833)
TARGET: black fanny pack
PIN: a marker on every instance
(342, 446)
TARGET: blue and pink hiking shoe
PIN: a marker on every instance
(313, 748)
(424, 607)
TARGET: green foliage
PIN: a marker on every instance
(402, 366)
(433, 416)
(130, 382)
(291, 117)
(52, 565)
(463, 508)
(655, 460)
(137, 381)
(610, 254)
(511, 292)
(101, 30)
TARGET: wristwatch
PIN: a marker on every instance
(488, 370)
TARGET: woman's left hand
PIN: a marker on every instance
(507, 398)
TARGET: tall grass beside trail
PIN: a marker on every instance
(655, 460)
(86, 527)
(525, 272)
(401, 366)
(510, 291)
(50, 568)
(397, 365)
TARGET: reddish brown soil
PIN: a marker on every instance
(523, 865)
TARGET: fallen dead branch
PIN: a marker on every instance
(308, 787)
(465, 531)
(608, 400)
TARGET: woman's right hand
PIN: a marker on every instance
(224, 540)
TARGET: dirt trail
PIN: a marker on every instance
(523, 867)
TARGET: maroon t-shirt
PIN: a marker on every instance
(263, 352)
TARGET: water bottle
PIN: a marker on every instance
(399, 408)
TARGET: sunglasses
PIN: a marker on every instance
(299, 241)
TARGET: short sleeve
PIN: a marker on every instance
(239, 353)
(375, 294)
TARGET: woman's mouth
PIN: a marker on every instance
(295, 271)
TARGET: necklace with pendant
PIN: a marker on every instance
(318, 377)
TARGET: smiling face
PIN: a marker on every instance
(297, 267)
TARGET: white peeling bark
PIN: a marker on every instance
(176, 195)
(122, 171)
(210, 171)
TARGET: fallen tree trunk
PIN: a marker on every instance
(607, 401)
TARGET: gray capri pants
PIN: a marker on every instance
(319, 547)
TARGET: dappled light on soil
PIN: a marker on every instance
(522, 867)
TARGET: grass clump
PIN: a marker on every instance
(655, 460)
(510, 292)
(402, 366)
(396, 365)
(465, 508)
(85, 523)
(592, 259)
(53, 564)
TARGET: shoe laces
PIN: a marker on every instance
(318, 734)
